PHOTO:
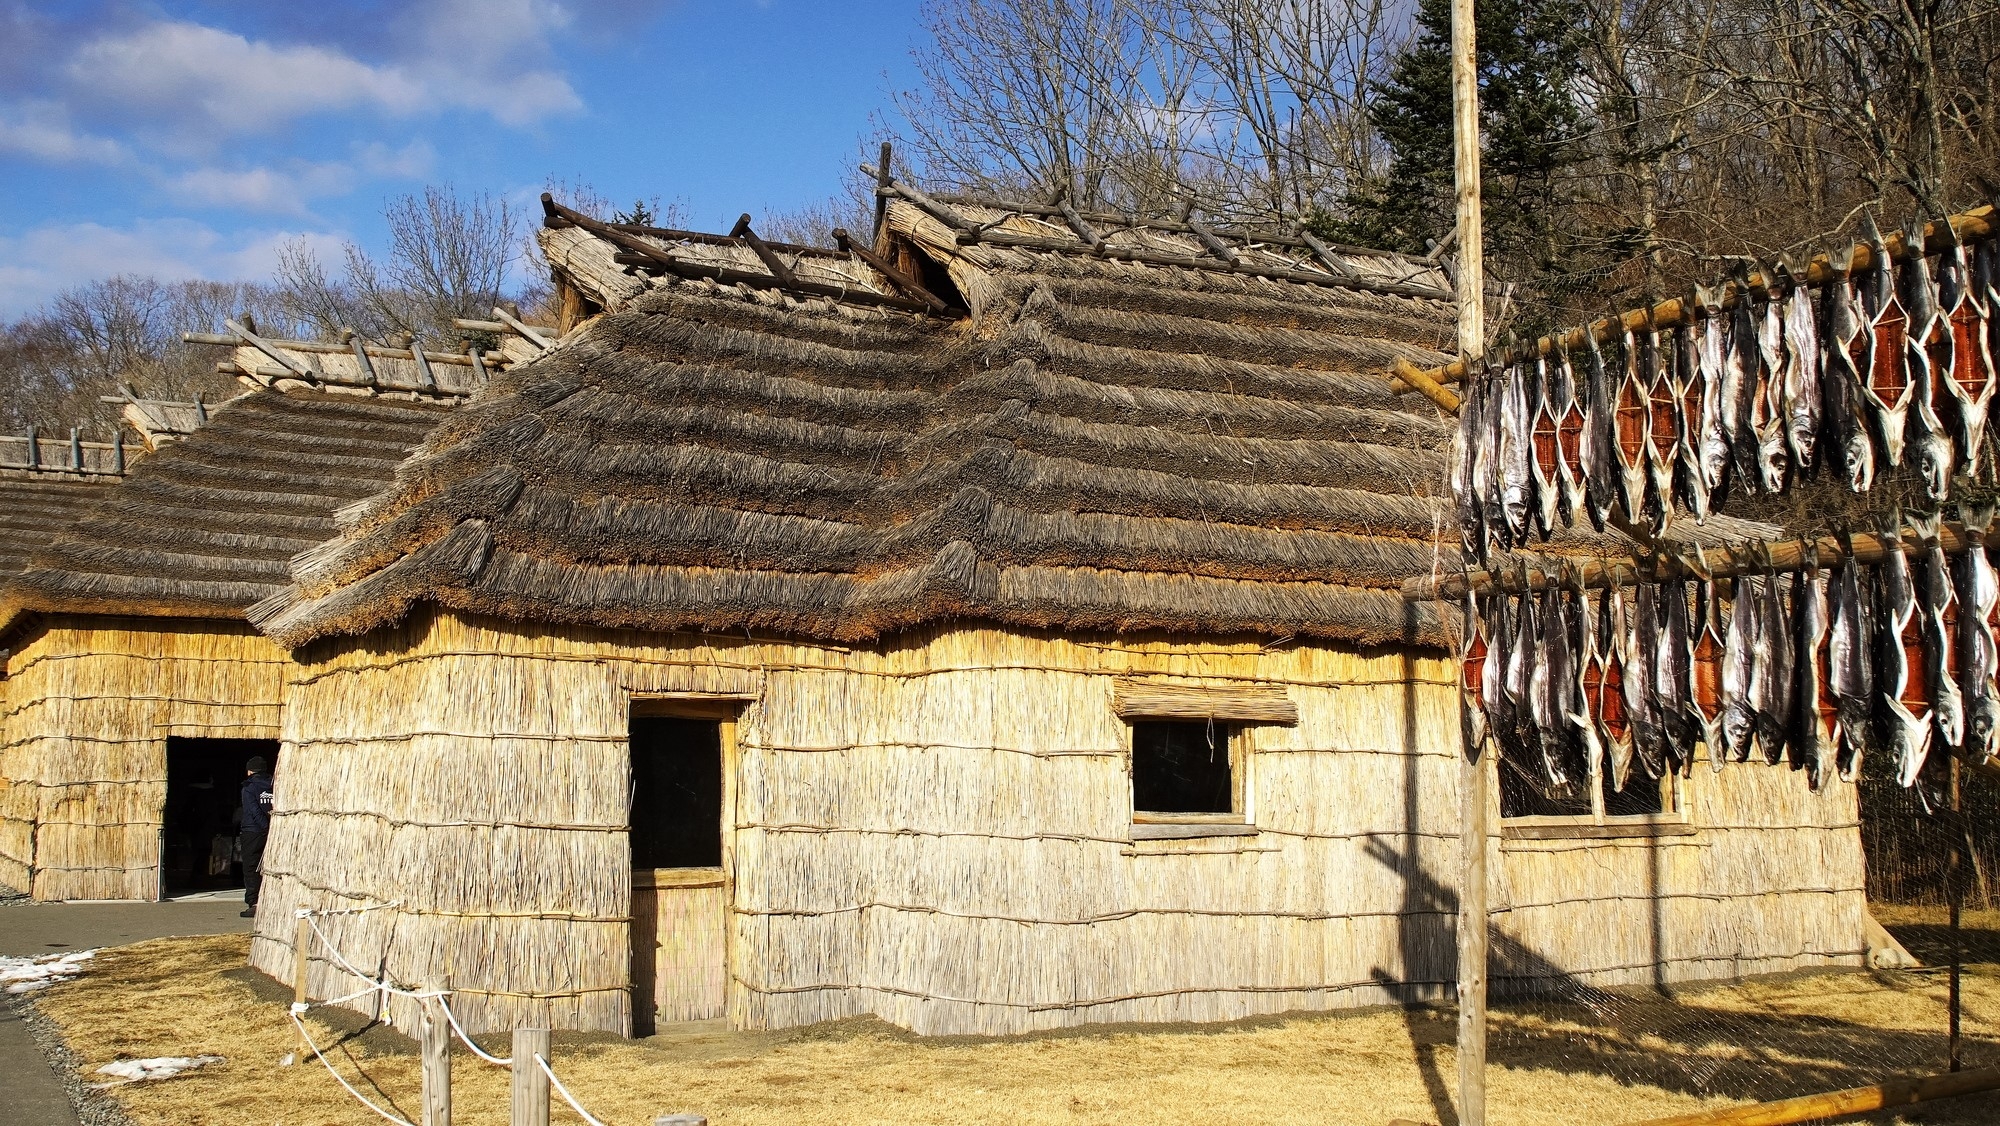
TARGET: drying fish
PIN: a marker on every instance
(1939, 614)
(1641, 701)
(1964, 366)
(1672, 673)
(1499, 637)
(1770, 411)
(1771, 684)
(1521, 661)
(1634, 417)
(1517, 457)
(1813, 709)
(1471, 667)
(1881, 352)
(1663, 426)
(1901, 694)
(1583, 641)
(1741, 364)
(1690, 489)
(1464, 474)
(1547, 465)
(1802, 379)
(1566, 404)
(1713, 444)
(1851, 665)
(1929, 340)
(1978, 592)
(1492, 507)
(1544, 685)
(1600, 438)
(1842, 379)
(1705, 668)
(1739, 662)
(1606, 688)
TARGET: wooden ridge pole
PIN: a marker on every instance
(1474, 772)
(1836, 1104)
(1978, 223)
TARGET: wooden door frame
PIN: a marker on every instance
(724, 710)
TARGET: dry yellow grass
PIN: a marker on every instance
(1606, 1060)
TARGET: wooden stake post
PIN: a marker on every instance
(301, 961)
(531, 1084)
(1473, 775)
(436, 1047)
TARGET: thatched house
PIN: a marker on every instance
(1000, 635)
(135, 689)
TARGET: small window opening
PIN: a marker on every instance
(929, 272)
(1182, 768)
(1640, 796)
(676, 814)
(1525, 792)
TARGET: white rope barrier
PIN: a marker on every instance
(460, 1029)
(298, 1019)
(564, 1092)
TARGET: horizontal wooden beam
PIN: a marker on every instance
(725, 275)
(1135, 222)
(1978, 223)
(272, 372)
(319, 348)
(1839, 1104)
(1415, 377)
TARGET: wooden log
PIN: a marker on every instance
(424, 375)
(883, 266)
(930, 206)
(301, 963)
(529, 1105)
(1722, 562)
(724, 275)
(1424, 385)
(764, 252)
(1978, 223)
(1083, 230)
(436, 1049)
(1214, 245)
(373, 351)
(881, 193)
(527, 331)
(1836, 1104)
(271, 350)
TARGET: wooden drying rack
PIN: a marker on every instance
(1978, 223)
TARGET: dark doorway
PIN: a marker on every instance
(203, 811)
(676, 792)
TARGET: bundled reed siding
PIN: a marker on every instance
(90, 704)
(1770, 880)
(936, 830)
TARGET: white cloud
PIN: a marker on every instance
(494, 54)
(41, 130)
(37, 263)
(264, 189)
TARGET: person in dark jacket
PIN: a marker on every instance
(256, 825)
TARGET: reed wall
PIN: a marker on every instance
(938, 831)
(90, 704)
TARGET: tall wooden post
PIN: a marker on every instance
(1954, 1000)
(301, 964)
(530, 1102)
(436, 1048)
(1474, 784)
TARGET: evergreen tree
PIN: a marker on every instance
(1529, 51)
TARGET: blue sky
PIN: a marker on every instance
(192, 139)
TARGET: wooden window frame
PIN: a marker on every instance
(1671, 821)
(1239, 822)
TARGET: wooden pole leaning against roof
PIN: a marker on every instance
(765, 254)
(898, 278)
(1978, 223)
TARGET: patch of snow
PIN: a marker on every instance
(159, 1067)
(25, 975)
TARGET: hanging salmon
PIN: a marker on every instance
(1901, 694)
(1739, 663)
(1545, 679)
(1978, 593)
(1465, 476)
(1566, 404)
(1713, 442)
(1741, 365)
(1547, 465)
(1672, 679)
(1642, 681)
(1882, 352)
(1803, 393)
(1584, 657)
(1499, 637)
(1663, 426)
(1928, 341)
(1843, 380)
(1705, 668)
(1967, 355)
(1600, 436)
(1517, 456)
(1521, 660)
(1771, 410)
(1986, 283)
(1606, 686)
(1634, 415)
(1850, 658)
(1938, 611)
(1472, 652)
(1492, 495)
(1814, 712)
(1772, 687)
(1690, 489)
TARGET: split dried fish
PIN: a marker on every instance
(1929, 340)
(1771, 683)
(1811, 745)
(1641, 682)
(1705, 671)
(1901, 694)
(1471, 669)
(1938, 609)
(1978, 591)
(1842, 380)
(1690, 488)
(1739, 662)
(1711, 354)
(1547, 465)
(1634, 415)
(1672, 678)
(1567, 409)
(1803, 393)
(1881, 352)
(1771, 411)
(1600, 438)
(1740, 366)
(1966, 360)
(1606, 688)
(1517, 458)
(1852, 669)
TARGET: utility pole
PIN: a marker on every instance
(1475, 786)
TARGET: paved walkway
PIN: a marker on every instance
(30, 1092)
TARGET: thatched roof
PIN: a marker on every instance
(205, 526)
(35, 507)
(1108, 444)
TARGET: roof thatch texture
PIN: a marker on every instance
(35, 507)
(205, 526)
(1106, 444)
